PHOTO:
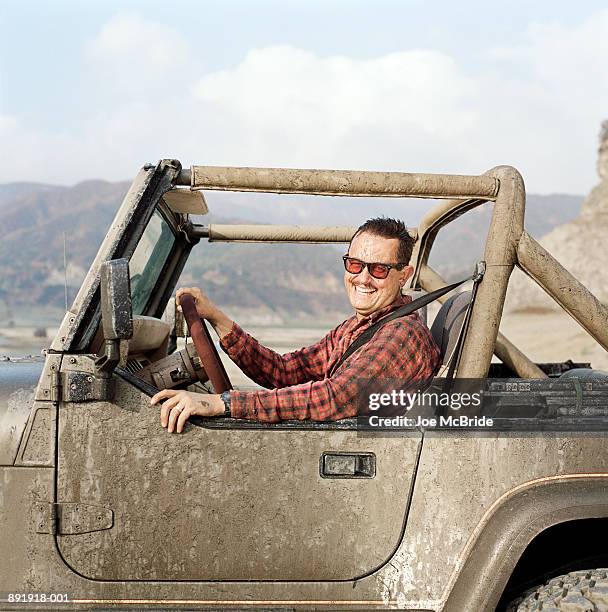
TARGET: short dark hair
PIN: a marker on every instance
(385, 227)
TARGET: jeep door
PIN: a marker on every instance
(225, 500)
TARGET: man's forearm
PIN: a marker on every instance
(221, 324)
(270, 369)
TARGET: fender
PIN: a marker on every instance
(512, 523)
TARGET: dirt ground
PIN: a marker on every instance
(553, 337)
(543, 337)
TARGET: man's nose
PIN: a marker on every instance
(364, 276)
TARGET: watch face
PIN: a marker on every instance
(226, 399)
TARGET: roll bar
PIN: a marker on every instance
(218, 232)
(507, 244)
(339, 182)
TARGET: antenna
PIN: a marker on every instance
(65, 270)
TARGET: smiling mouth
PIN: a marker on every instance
(364, 290)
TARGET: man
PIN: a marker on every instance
(305, 384)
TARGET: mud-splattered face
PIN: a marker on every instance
(366, 293)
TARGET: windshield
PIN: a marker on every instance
(148, 260)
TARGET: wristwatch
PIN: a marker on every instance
(226, 399)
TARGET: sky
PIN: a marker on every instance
(96, 89)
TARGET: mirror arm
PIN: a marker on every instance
(107, 362)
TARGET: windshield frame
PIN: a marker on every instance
(81, 323)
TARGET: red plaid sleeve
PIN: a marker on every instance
(269, 369)
(402, 349)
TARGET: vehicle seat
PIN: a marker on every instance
(150, 337)
(448, 322)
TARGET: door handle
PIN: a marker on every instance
(347, 465)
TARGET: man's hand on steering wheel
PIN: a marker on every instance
(206, 309)
(181, 405)
(204, 306)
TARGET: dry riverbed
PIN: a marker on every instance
(543, 337)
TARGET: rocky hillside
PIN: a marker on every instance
(33, 222)
(460, 245)
(270, 284)
(265, 283)
(580, 246)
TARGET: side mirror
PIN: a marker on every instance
(116, 311)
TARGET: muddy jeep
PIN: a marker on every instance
(102, 509)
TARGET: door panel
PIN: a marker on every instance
(218, 504)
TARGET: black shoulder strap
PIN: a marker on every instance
(369, 333)
(455, 359)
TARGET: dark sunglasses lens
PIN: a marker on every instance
(378, 270)
(353, 266)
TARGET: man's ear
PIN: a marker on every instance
(406, 274)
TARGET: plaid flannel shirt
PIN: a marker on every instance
(301, 384)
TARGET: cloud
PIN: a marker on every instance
(8, 123)
(289, 106)
(295, 88)
(551, 89)
(559, 56)
(536, 104)
(130, 53)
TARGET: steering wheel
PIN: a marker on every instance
(204, 346)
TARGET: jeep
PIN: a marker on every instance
(103, 509)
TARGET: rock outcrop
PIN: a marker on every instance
(580, 246)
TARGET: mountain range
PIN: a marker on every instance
(44, 226)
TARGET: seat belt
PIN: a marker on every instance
(455, 358)
(416, 304)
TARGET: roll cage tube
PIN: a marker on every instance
(503, 248)
(502, 184)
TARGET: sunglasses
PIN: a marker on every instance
(377, 270)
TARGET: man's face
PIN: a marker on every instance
(366, 293)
